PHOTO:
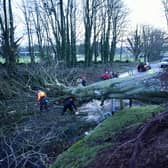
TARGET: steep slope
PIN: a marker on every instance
(103, 147)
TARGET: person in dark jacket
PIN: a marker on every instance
(69, 105)
(83, 82)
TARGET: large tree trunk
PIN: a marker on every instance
(147, 88)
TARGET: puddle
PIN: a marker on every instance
(92, 111)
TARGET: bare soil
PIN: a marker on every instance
(153, 152)
(34, 140)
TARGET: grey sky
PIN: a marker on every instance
(146, 12)
(149, 12)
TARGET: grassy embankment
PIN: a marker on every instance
(84, 151)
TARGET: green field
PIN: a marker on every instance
(26, 59)
(2, 60)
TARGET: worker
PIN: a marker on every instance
(83, 82)
(79, 81)
(42, 99)
(69, 105)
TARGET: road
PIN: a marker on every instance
(155, 67)
(94, 111)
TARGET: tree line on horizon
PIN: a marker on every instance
(54, 27)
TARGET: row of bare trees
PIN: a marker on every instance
(53, 26)
(147, 42)
(56, 29)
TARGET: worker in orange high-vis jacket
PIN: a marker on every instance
(42, 99)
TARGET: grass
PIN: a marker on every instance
(84, 151)
(26, 59)
(2, 60)
(125, 57)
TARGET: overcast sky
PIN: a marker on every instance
(146, 12)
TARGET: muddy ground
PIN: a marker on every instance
(28, 138)
(33, 140)
(152, 151)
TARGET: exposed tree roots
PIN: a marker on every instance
(150, 128)
(158, 124)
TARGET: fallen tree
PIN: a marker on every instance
(147, 88)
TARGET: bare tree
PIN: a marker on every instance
(52, 27)
(104, 39)
(114, 15)
(71, 33)
(165, 6)
(119, 14)
(63, 31)
(7, 29)
(96, 28)
(135, 44)
(27, 12)
(88, 23)
(106, 29)
(59, 20)
(153, 42)
(91, 8)
(36, 15)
